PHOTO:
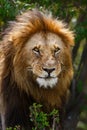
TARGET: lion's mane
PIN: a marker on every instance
(18, 89)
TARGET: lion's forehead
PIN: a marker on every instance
(45, 40)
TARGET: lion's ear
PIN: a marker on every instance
(67, 36)
(71, 42)
(71, 39)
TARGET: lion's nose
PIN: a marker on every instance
(49, 70)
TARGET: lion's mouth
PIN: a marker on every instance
(47, 81)
(47, 78)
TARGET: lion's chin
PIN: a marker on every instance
(47, 82)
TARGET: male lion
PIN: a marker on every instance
(35, 66)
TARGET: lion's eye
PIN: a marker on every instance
(36, 50)
(57, 50)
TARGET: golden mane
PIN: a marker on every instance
(33, 21)
(14, 79)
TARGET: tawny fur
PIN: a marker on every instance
(13, 59)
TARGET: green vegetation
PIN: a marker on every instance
(15, 128)
(40, 119)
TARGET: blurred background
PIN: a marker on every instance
(74, 13)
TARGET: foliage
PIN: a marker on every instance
(15, 128)
(9, 9)
(38, 117)
(41, 119)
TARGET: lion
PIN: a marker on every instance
(35, 66)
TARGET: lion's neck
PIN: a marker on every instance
(48, 97)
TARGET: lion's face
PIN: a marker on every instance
(44, 58)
